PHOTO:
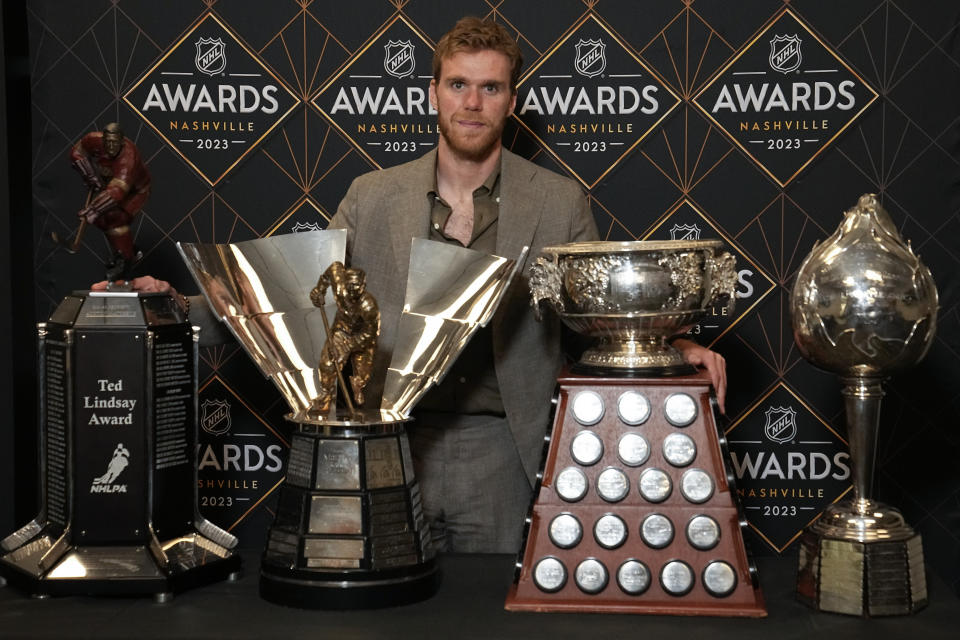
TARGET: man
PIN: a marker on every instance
(477, 438)
(119, 185)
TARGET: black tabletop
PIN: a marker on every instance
(468, 605)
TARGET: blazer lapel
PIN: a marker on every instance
(520, 209)
(410, 218)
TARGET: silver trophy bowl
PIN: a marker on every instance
(633, 296)
(864, 307)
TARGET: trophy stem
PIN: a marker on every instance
(862, 397)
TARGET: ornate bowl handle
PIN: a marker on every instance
(546, 283)
(723, 279)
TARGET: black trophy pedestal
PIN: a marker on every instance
(349, 531)
(117, 446)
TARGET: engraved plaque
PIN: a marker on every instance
(332, 548)
(633, 577)
(329, 514)
(696, 485)
(679, 449)
(633, 449)
(300, 461)
(657, 530)
(587, 407)
(338, 464)
(676, 578)
(655, 485)
(719, 579)
(586, 448)
(610, 531)
(613, 485)
(591, 576)
(549, 574)
(633, 408)
(680, 409)
(703, 532)
(565, 531)
(571, 484)
(383, 461)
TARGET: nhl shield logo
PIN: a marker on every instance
(398, 58)
(591, 57)
(211, 57)
(306, 226)
(781, 424)
(785, 53)
(215, 416)
(685, 232)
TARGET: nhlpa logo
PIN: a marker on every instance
(781, 424)
(306, 226)
(215, 416)
(398, 58)
(211, 57)
(118, 462)
(785, 53)
(591, 57)
(685, 232)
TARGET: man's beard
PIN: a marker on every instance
(476, 148)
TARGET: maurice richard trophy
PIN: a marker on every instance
(863, 307)
(635, 508)
(349, 530)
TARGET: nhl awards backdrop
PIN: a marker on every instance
(754, 122)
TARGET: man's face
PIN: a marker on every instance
(473, 99)
(112, 143)
(354, 286)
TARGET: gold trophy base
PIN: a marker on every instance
(861, 559)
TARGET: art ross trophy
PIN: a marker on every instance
(635, 508)
(864, 307)
(349, 530)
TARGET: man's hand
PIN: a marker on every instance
(712, 361)
(145, 284)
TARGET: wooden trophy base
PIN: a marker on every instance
(635, 511)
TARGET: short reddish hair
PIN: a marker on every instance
(474, 34)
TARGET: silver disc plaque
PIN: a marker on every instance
(676, 578)
(633, 449)
(633, 408)
(696, 485)
(680, 409)
(656, 530)
(679, 449)
(655, 485)
(633, 577)
(586, 448)
(549, 574)
(587, 407)
(613, 485)
(610, 531)
(591, 576)
(565, 531)
(703, 532)
(571, 484)
(719, 579)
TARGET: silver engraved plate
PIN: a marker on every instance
(336, 514)
(613, 485)
(655, 485)
(703, 532)
(587, 407)
(680, 409)
(676, 578)
(338, 464)
(591, 576)
(384, 464)
(571, 484)
(719, 579)
(610, 531)
(565, 531)
(633, 577)
(679, 449)
(549, 574)
(633, 408)
(656, 530)
(633, 449)
(696, 485)
(586, 448)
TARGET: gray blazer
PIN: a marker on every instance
(384, 210)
